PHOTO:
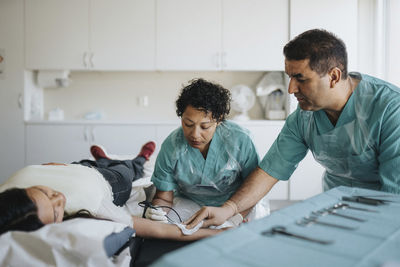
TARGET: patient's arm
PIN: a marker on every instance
(54, 163)
(152, 229)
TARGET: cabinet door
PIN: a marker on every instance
(163, 131)
(122, 34)
(340, 18)
(56, 143)
(122, 140)
(263, 137)
(254, 33)
(188, 34)
(306, 181)
(56, 34)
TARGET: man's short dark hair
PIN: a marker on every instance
(324, 50)
(205, 96)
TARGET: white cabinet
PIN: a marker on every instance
(340, 18)
(123, 139)
(56, 143)
(56, 34)
(221, 35)
(254, 33)
(122, 34)
(67, 142)
(52, 142)
(90, 34)
(188, 34)
(306, 181)
(264, 136)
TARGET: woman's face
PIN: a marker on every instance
(198, 128)
(50, 203)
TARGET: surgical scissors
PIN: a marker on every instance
(310, 220)
(282, 231)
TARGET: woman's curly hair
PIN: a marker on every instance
(205, 96)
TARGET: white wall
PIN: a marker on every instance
(116, 93)
(11, 88)
(393, 42)
(366, 20)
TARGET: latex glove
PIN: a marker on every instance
(156, 214)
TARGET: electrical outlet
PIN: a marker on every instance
(143, 101)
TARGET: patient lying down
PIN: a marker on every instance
(31, 208)
(44, 194)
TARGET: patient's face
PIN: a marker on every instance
(198, 128)
(50, 203)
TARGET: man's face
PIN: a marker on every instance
(311, 90)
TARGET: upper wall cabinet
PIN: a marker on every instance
(188, 34)
(56, 34)
(123, 34)
(90, 34)
(339, 17)
(254, 33)
(221, 35)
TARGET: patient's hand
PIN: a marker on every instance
(54, 163)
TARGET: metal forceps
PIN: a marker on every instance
(310, 220)
(334, 212)
(282, 231)
(341, 205)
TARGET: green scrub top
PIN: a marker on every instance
(361, 150)
(211, 181)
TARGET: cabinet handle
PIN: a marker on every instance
(91, 59)
(85, 134)
(20, 100)
(217, 60)
(223, 59)
(85, 59)
(92, 134)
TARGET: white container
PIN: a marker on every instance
(275, 114)
(56, 114)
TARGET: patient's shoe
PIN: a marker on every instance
(147, 150)
(98, 152)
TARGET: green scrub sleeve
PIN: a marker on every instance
(287, 151)
(389, 151)
(163, 171)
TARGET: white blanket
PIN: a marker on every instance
(77, 242)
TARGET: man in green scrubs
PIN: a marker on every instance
(349, 121)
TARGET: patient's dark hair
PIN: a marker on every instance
(19, 212)
(205, 96)
(324, 50)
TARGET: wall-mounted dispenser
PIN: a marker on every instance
(271, 91)
(53, 78)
